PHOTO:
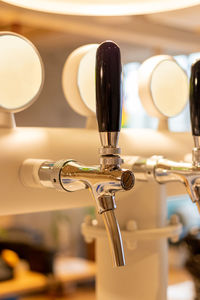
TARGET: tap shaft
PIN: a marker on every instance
(114, 237)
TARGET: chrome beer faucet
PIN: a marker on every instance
(163, 170)
(107, 178)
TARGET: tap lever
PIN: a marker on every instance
(109, 111)
(108, 93)
(195, 101)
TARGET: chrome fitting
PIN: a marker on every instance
(109, 151)
(49, 174)
(143, 168)
(150, 166)
(109, 139)
(106, 203)
(108, 161)
(196, 141)
(127, 180)
(196, 156)
(55, 174)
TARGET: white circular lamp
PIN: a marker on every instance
(103, 7)
(78, 80)
(163, 87)
(21, 75)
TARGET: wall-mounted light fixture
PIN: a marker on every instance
(21, 76)
(103, 7)
(163, 88)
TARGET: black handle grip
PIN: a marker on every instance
(195, 98)
(108, 87)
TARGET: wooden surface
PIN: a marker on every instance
(26, 282)
(80, 294)
(73, 269)
(177, 278)
(66, 270)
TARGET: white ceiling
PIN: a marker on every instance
(187, 19)
(172, 32)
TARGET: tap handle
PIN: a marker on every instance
(195, 98)
(108, 87)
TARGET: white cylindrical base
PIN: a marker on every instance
(146, 274)
(143, 278)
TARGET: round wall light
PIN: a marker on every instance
(21, 72)
(78, 80)
(163, 86)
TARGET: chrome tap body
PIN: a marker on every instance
(162, 170)
(70, 176)
(103, 181)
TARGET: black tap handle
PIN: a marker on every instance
(195, 98)
(108, 87)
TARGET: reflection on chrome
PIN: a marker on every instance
(163, 171)
(103, 181)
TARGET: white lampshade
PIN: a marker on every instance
(103, 7)
(163, 86)
(78, 80)
(21, 72)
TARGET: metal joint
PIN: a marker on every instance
(110, 161)
(196, 156)
(106, 203)
(109, 151)
(127, 180)
(151, 165)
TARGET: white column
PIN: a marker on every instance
(146, 273)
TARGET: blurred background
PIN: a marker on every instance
(175, 33)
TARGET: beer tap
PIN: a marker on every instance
(163, 170)
(107, 178)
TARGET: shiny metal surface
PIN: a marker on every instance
(196, 141)
(107, 161)
(49, 174)
(163, 171)
(109, 139)
(44, 173)
(103, 181)
(187, 173)
(114, 237)
(196, 156)
(109, 151)
(107, 202)
(143, 168)
(75, 176)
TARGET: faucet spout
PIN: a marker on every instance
(114, 237)
(107, 204)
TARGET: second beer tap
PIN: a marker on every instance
(163, 170)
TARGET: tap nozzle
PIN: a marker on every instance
(107, 203)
